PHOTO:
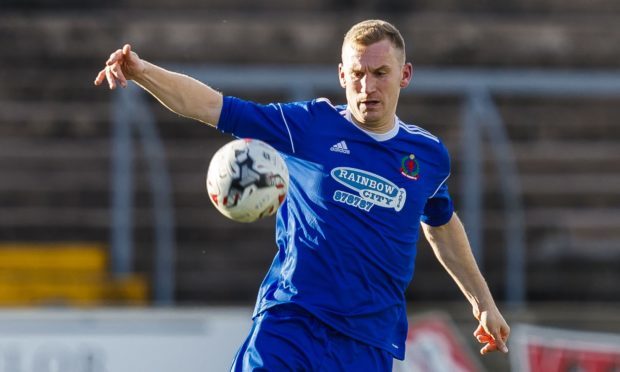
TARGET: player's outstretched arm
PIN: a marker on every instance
(452, 249)
(180, 93)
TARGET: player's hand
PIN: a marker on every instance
(493, 331)
(123, 65)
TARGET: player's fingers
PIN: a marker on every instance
(479, 331)
(488, 348)
(498, 340)
(110, 77)
(118, 74)
(505, 332)
(483, 339)
(501, 345)
(100, 77)
(114, 57)
(127, 50)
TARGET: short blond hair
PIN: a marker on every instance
(372, 31)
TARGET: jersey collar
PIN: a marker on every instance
(379, 137)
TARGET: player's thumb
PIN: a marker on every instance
(127, 51)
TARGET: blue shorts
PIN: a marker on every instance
(288, 338)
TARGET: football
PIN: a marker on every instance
(247, 180)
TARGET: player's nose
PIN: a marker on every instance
(368, 84)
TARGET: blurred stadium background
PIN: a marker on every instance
(107, 235)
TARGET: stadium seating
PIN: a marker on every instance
(64, 274)
(55, 130)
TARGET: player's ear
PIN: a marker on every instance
(341, 76)
(407, 75)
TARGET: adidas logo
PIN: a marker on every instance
(340, 147)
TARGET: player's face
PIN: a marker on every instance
(373, 76)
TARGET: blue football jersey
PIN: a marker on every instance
(347, 231)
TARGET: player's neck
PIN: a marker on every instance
(376, 128)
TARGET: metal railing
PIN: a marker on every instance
(130, 113)
(480, 116)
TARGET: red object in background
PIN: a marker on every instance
(540, 349)
(435, 345)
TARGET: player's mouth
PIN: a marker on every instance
(369, 104)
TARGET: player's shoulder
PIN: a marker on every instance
(419, 135)
(323, 104)
(314, 106)
(326, 106)
(415, 131)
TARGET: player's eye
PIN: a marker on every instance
(357, 74)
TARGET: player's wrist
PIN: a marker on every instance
(480, 306)
(141, 71)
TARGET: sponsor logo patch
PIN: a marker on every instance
(371, 189)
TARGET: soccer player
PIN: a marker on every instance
(361, 183)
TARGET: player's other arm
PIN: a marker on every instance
(452, 249)
(180, 93)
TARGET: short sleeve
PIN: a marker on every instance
(278, 124)
(439, 208)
